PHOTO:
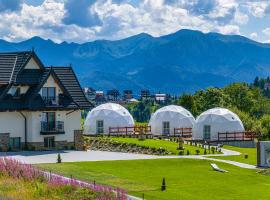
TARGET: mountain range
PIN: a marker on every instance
(184, 61)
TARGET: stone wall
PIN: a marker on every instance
(243, 144)
(59, 145)
(4, 141)
(78, 140)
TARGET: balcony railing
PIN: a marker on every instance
(56, 127)
(51, 101)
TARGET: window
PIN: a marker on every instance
(100, 126)
(207, 132)
(15, 143)
(48, 93)
(14, 91)
(166, 128)
(49, 142)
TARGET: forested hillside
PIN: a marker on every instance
(248, 101)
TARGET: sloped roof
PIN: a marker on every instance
(12, 72)
(12, 63)
(70, 82)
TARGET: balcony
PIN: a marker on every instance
(51, 101)
(49, 128)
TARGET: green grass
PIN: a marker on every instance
(251, 152)
(156, 143)
(185, 178)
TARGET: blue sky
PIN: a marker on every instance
(88, 20)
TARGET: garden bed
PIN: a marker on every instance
(146, 146)
(23, 181)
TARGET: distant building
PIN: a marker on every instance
(90, 93)
(113, 95)
(145, 94)
(267, 86)
(100, 97)
(161, 98)
(127, 95)
(133, 100)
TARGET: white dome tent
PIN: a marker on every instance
(214, 121)
(166, 119)
(107, 115)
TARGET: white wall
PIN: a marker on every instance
(71, 121)
(13, 123)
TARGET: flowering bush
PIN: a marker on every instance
(18, 170)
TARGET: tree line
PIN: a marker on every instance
(249, 101)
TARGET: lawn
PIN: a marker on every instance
(185, 178)
(156, 143)
(251, 152)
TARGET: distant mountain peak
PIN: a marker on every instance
(184, 61)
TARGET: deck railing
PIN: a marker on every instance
(129, 130)
(185, 132)
(56, 127)
(237, 136)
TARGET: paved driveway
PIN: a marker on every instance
(36, 157)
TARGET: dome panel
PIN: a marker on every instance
(214, 121)
(174, 116)
(111, 115)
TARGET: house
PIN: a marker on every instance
(266, 86)
(113, 95)
(161, 98)
(90, 93)
(40, 107)
(128, 94)
(145, 94)
(100, 98)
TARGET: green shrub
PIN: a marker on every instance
(197, 151)
(246, 156)
(188, 152)
(181, 153)
(213, 150)
(59, 159)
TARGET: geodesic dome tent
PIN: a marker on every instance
(214, 121)
(165, 119)
(107, 115)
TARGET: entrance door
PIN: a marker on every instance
(207, 132)
(166, 128)
(99, 127)
(49, 142)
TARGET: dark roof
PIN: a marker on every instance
(70, 82)
(12, 63)
(12, 72)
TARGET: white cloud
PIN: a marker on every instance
(258, 8)
(254, 35)
(122, 18)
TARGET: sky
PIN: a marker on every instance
(88, 20)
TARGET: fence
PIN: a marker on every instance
(183, 132)
(237, 136)
(129, 130)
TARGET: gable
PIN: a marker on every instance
(32, 64)
(50, 82)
